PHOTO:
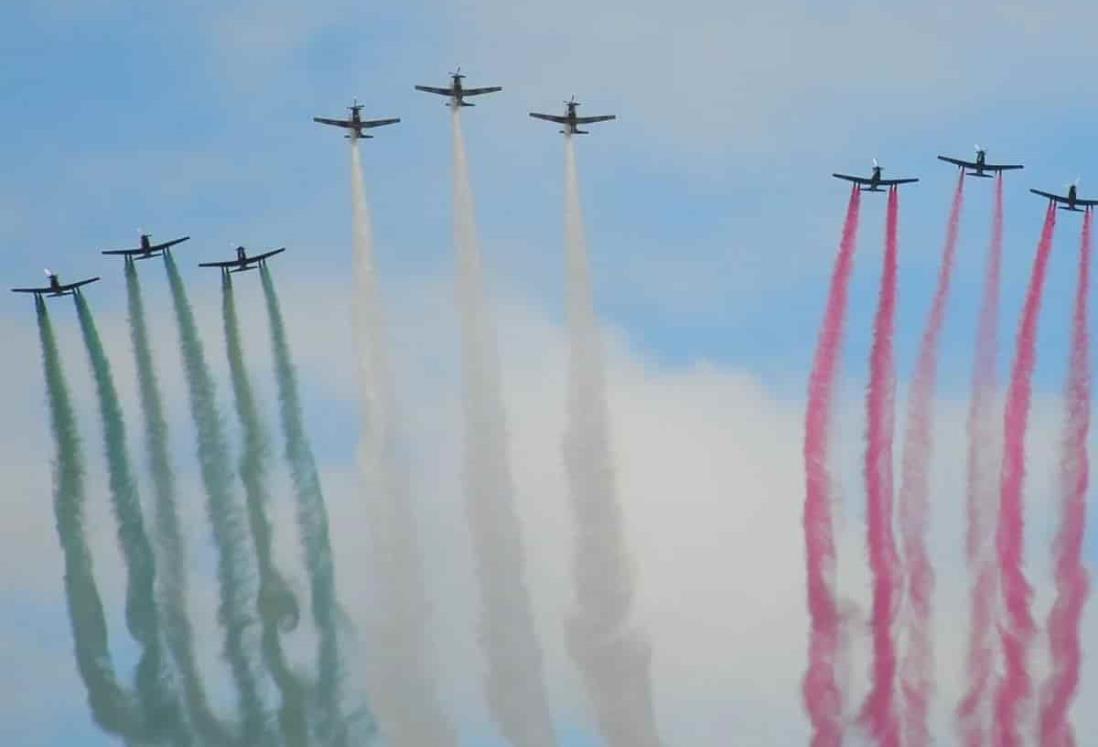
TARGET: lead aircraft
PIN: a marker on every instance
(570, 120)
(457, 92)
(55, 289)
(873, 182)
(980, 167)
(147, 248)
(356, 124)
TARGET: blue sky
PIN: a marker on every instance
(711, 216)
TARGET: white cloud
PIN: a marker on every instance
(709, 467)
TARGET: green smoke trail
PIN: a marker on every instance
(172, 565)
(277, 606)
(312, 519)
(161, 708)
(112, 708)
(237, 604)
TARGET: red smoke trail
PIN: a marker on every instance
(821, 693)
(1072, 582)
(917, 666)
(981, 493)
(878, 711)
(1017, 630)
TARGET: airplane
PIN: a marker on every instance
(981, 166)
(147, 248)
(243, 261)
(1071, 202)
(55, 289)
(457, 92)
(874, 182)
(570, 121)
(356, 124)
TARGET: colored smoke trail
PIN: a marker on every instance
(112, 708)
(160, 707)
(917, 666)
(403, 691)
(1017, 630)
(820, 688)
(278, 609)
(982, 495)
(612, 655)
(235, 574)
(1072, 579)
(171, 558)
(514, 684)
(312, 519)
(879, 710)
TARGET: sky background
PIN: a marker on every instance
(712, 224)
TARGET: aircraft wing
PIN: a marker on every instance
(550, 118)
(124, 252)
(168, 244)
(895, 182)
(1002, 167)
(227, 263)
(1054, 198)
(439, 91)
(379, 122)
(1087, 203)
(959, 162)
(78, 284)
(262, 257)
(592, 120)
(31, 290)
(481, 91)
(334, 122)
(855, 179)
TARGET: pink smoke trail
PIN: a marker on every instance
(822, 697)
(1016, 632)
(981, 493)
(913, 503)
(1072, 582)
(878, 711)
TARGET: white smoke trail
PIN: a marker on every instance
(514, 684)
(401, 686)
(613, 657)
